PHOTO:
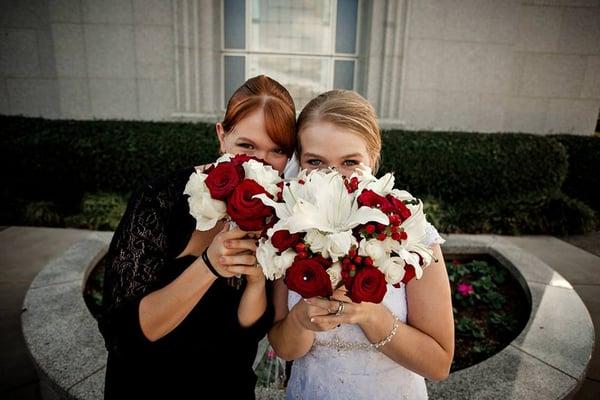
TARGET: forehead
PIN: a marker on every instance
(325, 137)
(252, 127)
(252, 122)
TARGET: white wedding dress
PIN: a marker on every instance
(338, 367)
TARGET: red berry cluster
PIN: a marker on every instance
(302, 250)
(381, 232)
(353, 262)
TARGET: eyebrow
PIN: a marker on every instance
(245, 138)
(357, 155)
(254, 143)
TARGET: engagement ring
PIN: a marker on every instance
(340, 309)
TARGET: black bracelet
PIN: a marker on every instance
(209, 265)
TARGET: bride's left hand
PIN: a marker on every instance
(351, 313)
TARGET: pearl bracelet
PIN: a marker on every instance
(389, 337)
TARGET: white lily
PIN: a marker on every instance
(321, 203)
(414, 226)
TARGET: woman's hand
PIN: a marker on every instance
(304, 313)
(232, 252)
(341, 310)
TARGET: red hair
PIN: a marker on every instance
(262, 92)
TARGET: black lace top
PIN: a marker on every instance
(209, 350)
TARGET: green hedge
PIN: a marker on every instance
(583, 180)
(503, 183)
(496, 168)
(488, 183)
(62, 160)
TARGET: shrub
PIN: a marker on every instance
(583, 154)
(100, 212)
(494, 169)
(493, 183)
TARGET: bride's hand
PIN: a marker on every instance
(341, 310)
(305, 312)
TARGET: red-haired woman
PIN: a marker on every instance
(172, 324)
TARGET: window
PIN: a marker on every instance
(309, 46)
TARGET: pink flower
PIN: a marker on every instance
(465, 289)
(270, 354)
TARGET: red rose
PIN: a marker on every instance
(308, 278)
(398, 207)
(369, 285)
(222, 179)
(325, 262)
(409, 273)
(249, 213)
(371, 199)
(242, 158)
(283, 240)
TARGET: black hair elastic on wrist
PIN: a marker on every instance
(209, 265)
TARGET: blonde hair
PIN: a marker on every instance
(345, 109)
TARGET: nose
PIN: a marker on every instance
(261, 154)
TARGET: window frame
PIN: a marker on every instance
(331, 56)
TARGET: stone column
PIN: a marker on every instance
(385, 49)
(198, 80)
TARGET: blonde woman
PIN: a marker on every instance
(413, 326)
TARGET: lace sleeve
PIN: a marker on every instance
(135, 261)
(432, 236)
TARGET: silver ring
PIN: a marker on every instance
(340, 309)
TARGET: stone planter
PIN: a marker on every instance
(548, 360)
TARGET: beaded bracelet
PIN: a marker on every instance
(389, 337)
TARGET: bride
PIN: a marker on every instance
(346, 350)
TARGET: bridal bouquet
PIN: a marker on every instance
(227, 190)
(331, 231)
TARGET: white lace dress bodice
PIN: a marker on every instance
(338, 367)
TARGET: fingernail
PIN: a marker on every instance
(312, 320)
(307, 301)
(222, 259)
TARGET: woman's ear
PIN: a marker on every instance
(221, 137)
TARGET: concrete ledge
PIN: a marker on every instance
(548, 360)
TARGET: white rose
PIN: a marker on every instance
(335, 274)
(206, 210)
(224, 158)
(263, 174)
(333, 245)
(273, 264)
(376, 249)
(393, 269)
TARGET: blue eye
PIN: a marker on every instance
(314, 162)
(350, 163)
